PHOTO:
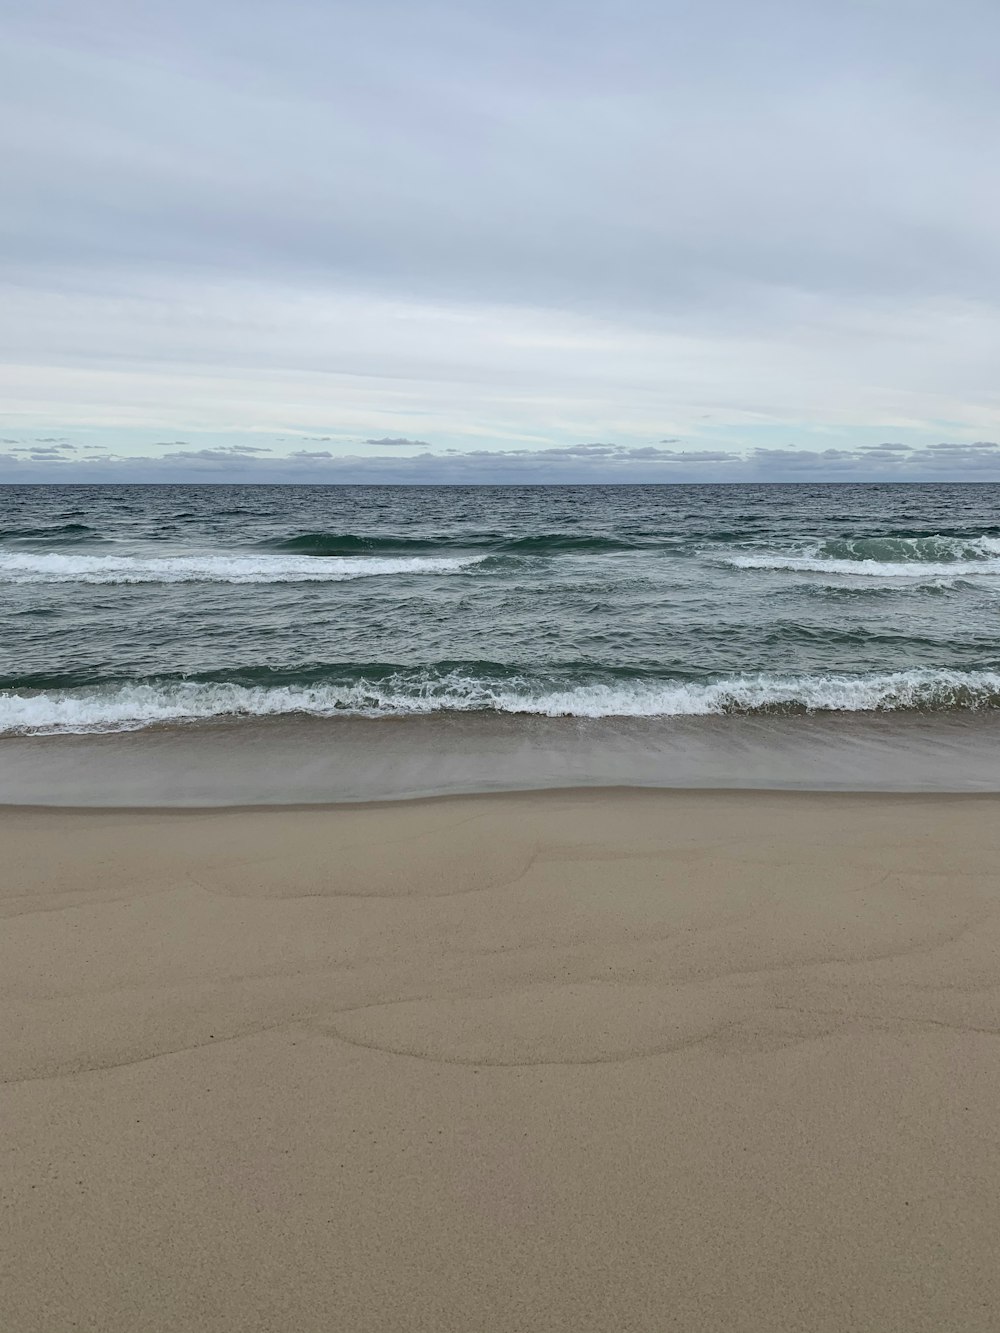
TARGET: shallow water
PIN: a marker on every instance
(286, 760)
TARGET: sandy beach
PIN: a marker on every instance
(593, 1060)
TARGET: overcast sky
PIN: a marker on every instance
(552, 240)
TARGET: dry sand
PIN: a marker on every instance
(566, 1061)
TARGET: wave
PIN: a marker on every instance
(927, 557)
(895, 548)
(133, 706)
(873, 569)
(938, 532)
(55, 568)
(555, 543)
(892, 593)
(925, 548)
(351, 544)
(347, 543)
(62, 535)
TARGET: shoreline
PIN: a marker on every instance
(288, 762)
(569, 1060)
(391, 803)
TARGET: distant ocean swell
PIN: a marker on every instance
(325, 557)
(335, 544)
(126, 706)
(60, 534)
(890, 550)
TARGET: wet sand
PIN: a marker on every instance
(335, 760)
(593, 1060)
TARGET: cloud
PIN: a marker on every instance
(220, 449)
(574, 464)
(974, 447)
(226, 454)
(45, 450)
(948, 461)
(400, 442)
(517, 224)
(604, 453)
(574, 179)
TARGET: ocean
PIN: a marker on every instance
(187, 643)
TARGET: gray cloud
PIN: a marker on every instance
(605, 453)
(237, 454)
(45, 450)
(399, 442)
(597, 463)
(846, 143)
(973, 448)
(220, 449)
(520, 222)
(946, 462)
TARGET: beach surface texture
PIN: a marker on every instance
(592, 1060)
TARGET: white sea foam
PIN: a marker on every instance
(18, 567)
(132, 707)
(876, 569)
(920, 558)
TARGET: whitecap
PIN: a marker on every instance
(128, 707)
(216, 568)
(920, 558)
(877, 569)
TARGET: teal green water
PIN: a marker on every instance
(122, 607)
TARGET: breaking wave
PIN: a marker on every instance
(132, 706)
(57, 568)
(935, 556)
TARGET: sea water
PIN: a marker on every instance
(449, 638)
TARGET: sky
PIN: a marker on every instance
(455, 241)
